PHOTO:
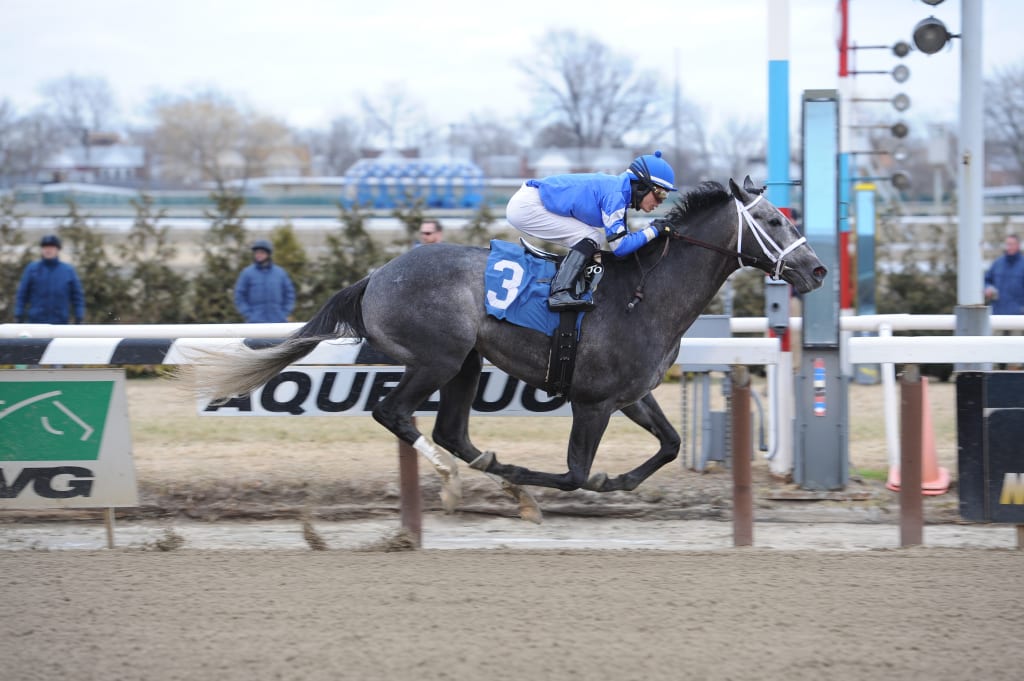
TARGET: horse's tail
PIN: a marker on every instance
(240, 371)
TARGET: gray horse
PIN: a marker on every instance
(425, 309)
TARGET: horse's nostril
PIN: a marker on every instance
(819, 273)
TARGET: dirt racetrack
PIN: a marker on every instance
(500, 613)
(738, 614)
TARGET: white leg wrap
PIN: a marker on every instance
(427, 450)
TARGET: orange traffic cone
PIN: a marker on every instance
(934, 479)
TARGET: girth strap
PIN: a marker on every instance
(562, 358)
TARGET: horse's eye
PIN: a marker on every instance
(775, 221)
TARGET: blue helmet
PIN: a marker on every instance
(652, 169)
(263, 244)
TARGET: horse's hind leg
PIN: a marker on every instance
(394, 412)
(647, 414)
(451, 431)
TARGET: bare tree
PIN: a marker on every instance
(583, 88)
(736, 146)
(207, 137)
(80, 105)
(334, 151)
(395, 118)
(26, 142)
(487, 135)
(1004, 118)
(691, 149)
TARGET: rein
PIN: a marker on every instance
(638, 293)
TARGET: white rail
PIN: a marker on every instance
(895, 322)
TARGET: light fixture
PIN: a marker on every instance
(899, 130)
(901, 49)
(930, 35)
(901, 180)
(901, 102)
(901, 73)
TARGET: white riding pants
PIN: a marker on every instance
(527, 213)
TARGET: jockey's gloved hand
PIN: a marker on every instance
(662, 226)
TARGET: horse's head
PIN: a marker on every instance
(770, 241)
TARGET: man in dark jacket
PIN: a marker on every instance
(264, 291)
(1004, 280)
(50, 291)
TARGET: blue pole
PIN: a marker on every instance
(778, 103)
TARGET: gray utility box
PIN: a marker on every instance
(707, 326)
(713, 427)
(990, 437)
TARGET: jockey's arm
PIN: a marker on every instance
(620, 239)
(623, 242)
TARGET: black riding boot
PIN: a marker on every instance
(568, 284)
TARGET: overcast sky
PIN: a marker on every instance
(307, 61)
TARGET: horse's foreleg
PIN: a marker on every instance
(588, 425)
(647, 414)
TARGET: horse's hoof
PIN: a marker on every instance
(483, 462)
(451, 497)
(529, 510)
(596, 482)
(451, 484)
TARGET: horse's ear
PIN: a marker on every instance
(752, 188)
(734, 189)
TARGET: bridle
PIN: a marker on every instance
(773, 262)
(774, 254)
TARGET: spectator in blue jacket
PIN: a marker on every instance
(264, 291)
(1004, 279)
(586, 212)
(50, 291)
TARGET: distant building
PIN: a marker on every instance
(112, 164)
(392, 180)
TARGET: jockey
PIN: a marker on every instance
(586, 211)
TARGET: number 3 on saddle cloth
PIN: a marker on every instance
(517, 285)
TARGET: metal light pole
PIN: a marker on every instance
(778, 193)
(972, 315)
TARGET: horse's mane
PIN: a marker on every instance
(705, 196)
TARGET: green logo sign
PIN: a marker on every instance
(53, 421)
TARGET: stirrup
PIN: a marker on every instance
(564, 301)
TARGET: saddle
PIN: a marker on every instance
(538, 253)
(526, 304)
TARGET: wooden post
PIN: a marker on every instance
(742, 493)
(1020, 537)
(108, 521)
(911, 432)
(410, 497)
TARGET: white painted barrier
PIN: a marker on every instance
(105, 341)
(935, 349)
(896, 322)
(94, 344)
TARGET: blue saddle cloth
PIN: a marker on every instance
(516, 288)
